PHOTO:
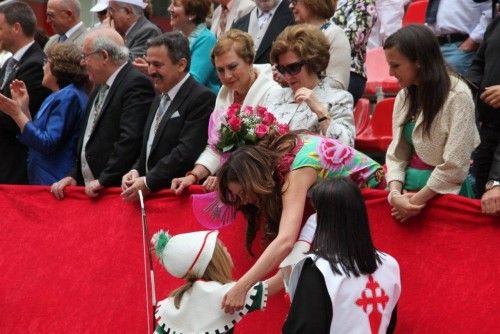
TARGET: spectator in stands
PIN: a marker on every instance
(317, 13)
(243, 83)
(128, 19)
(264, 23)
(111, 133)
(227, 12)
(459, 26)
(485, 73)
(389, 19)
(188, 16)
(52, 135)
(64, 18)
(17, 30)
(356, 17)
(101, 11)
(309, 102)
(434, 128)
(176, 129)
(343, 259)
(269, 182)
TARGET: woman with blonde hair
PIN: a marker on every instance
(243, 83)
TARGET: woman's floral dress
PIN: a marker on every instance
(357, 18)
(331, 158)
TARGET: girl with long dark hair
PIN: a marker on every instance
(434, 128)
(332, 285)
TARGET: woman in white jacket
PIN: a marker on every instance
(242, 83)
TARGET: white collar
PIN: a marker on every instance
(201, 302)
(73, 29)
(174, 90)
(113, 76)
(20, 53)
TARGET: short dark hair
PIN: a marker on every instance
(198, 8)
(342, 234)
(176, 44)
(19, 12)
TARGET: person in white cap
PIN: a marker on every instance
(64, 18)
(128, 19)
(101, 10)
(202, 260)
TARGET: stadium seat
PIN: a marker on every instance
(415, 13)
(361, 115)
(377, 72)
(378, 135)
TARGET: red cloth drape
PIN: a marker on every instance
(77, 264)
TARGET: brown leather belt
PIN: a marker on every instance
(451, 38)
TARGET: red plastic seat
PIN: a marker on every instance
(415, 13)
(361, 115)
(378, 135)
(377, 72)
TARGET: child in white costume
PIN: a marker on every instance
(202, 260)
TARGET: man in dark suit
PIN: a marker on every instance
(265, 22)
(111, 133)
(177, 127)
(64, 18)
(129, 21)
(17, 30)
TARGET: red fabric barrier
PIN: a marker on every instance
(77, 264)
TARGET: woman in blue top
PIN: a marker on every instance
(52, 134)
(188, 16)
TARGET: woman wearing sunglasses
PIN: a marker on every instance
(318, 13)
(301, 54)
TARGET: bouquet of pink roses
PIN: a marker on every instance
(246, 126)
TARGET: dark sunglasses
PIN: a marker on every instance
(291, 69)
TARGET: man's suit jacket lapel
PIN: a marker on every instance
(137, 27)
(112, 91)
(182, 94)
(278, 22)
(32, 49)
(78, 33)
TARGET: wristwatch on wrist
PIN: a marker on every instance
(492, 184)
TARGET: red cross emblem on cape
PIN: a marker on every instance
(373, 301)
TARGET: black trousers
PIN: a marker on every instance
(483, 156)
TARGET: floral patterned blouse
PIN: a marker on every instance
(356, 17)
(331, 158)
(338, 102)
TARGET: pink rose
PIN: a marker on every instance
(268, 118)
(333, 154)
(283, 128)
(248, 110)
(232, 111)
(234, 123)
(261, 130)
(261, 111)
